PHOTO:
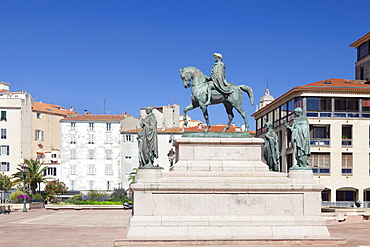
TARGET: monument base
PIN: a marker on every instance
(329, 242)
(220, 190)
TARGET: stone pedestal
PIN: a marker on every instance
(221, 190)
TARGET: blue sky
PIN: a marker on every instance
(76, 53)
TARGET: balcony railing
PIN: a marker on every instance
(320, 171)
(346, 142)
(318, 114)
(339, 204)
(320, 142)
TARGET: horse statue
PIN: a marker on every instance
(194, 78)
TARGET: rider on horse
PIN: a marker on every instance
(217, 79)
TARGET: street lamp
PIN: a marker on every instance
(24, 172)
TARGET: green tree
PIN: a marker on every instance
(35, 174)
(5, 182)
(54, 188)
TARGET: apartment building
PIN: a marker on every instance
(338, 111)
(91, 156)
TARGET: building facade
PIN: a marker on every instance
(362, 67)
(29, 130)
(338, 111)
(91, 156)
(16, 128)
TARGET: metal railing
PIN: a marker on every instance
(339, 204)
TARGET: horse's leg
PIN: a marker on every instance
(186, 109)
(205, 115)
(230, 115)
(242, 113)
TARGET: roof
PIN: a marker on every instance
(329, 85)
(50, 108)
(95, 118)
(213, 128)
(336, 85)
(361, 40)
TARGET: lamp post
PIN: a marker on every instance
(24, 172)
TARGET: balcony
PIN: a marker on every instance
(347, 142)
(320, 142)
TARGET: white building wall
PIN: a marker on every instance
(85, 173)
(18, 128)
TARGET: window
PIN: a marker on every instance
(109, 185)
(91, 138)
(91, 185)
(318, 104)
(51, 171)
(91, 170)
(109, 127)
(320, 135)
(91, 126)
(347, 164)
(73, 138)
(4, 150)
(108, 153)
(3, 116)
(3, 133)
(128, 138)
(53, 155)
(39, 135)
(347, 135)
(346, 104)
(366, 105)
(38, 115)
(362, 73)
(91, 153)
(73, 153)
(39, 156)
(73, 126)
(108, 138)
(320, 163)
(363, 50)
(72, 184)
(4, 166)
(108, 169)
(127, 169)
(72, 169)
(128, 153)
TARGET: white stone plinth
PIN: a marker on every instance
(220, 189)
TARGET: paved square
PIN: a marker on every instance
(39, 227)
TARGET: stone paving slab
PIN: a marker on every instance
(40, 228)
(63, 227)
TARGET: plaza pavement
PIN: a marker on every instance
(40, 227)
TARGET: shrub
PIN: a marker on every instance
(37, 197)
(18, 196)
(74, 199)
(119, 195)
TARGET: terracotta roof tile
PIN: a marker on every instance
(93, 117)
(214, 128)
(50, 108)
(337, 84)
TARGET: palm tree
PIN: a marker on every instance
(35, 174)
(5, 184)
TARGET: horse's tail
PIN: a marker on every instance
(249, 91)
